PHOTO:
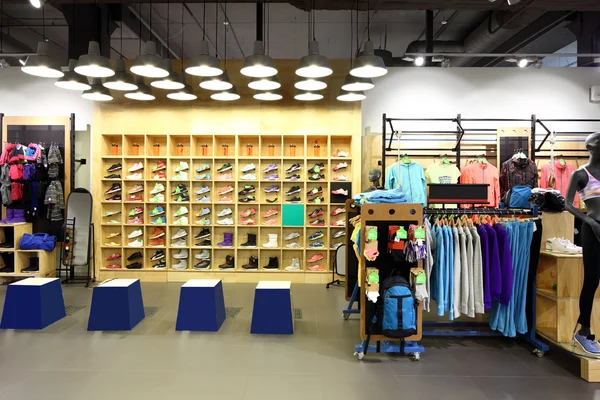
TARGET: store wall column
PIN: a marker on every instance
(587, 30)
(88, 22)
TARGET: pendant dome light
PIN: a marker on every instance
(313, 65)
(121, 80)
(93, 64)
(270, 83)
(226, 95)
(259, 65)
(310, 84)
(353, 83)
(214, 83)
(148, 63)
(97, 92)
(41, 64)
(305, 95)
(171, 81)
(351, 96)
(142, 93)
(368, 65)
(268, 95)
(204, 65)
(73, 81)
(185, 93)
(230, 93)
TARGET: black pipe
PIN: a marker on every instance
(259, 21)
(383, 155)
(429, 35)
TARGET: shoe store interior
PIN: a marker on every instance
(382, 200)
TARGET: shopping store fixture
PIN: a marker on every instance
(11, 235)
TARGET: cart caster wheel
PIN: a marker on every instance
(539, 353)
(346, 316)
(415, 356)
(327, 286)
(359, 356)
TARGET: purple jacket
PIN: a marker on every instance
(485, 266)
(495, 276)
(506, 267)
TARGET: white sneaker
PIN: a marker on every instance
(225, 212)
(136, 167)
(180, 233)
(136, 243)
(225, 221)
(562, 245)
(248, 168)
(180, 176)
(159, 187)
(292, 236)
(179, 243)
(203, 255)
(249, 177)
(181, 265)
(293, 245)
(183, 166)
(135, 176)
(135, 233)
(295, 266)
(182, 221)
(183, 254)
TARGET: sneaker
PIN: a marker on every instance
(295, 266)
(135, 189)
(159, 198)
(180, 266)
(272, 189)
(180, 176)
(182, 221)
(158, 188)
(340, 191)
(202, 190)
(316, 213)
(293, 245)
(270, 167)
(205, 264)
(293, 190)
(159, 221)
(226, 199)
(116, 197)
(339, 234)
(293, 178)
(114, 221)
(316, 235)
(160, 166)
(202, 177)
(136, 243)
(179, 234)
(225, 212)
(315, 258)
(114, 167)
(179, 189)
(247, 190)
(317, 200)
(203, 199)
(248, 177)
(111, 213)
(225, 167)
(183, 198)
(317, 268)
(248, 168)
(334, 246)
(183, 166)
(113, 256)
(203, 212)
(248, 213)
(588, 344)
(136, 211)
(225, 221)
(270, 222)
(294, 199)
(113, 176)
(272, 177)
(160, 242)
(160, 175)
(135, 256)
(248, 199)
(202, 168)
(340, 153)
(316, 245)
(160, 265)
(181, 255)
(249, 221)
(338, 211)
(112, 235)
(562, 245)
(204, 243)
(318, 167)
(135, 233)
(135, 220)
(225, 177)
(272, 200)
(292, 236)
(158, 232)
(158, 255)
(225, 190)
(112, 244)
(342, 165)
(341, 178)
(338, 223)
(203, 222)
(315, 191)
(135, 176)
(135, 265)
(293, 168)
(136, 167)
(116, 187)
(316, 177)
(134, 198)
(179, 243)
(270, 213)
(181, 211)
(204, 233)
(203, 255)
(317, 222)
(158, 210)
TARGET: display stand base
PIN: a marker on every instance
(201, 306)
(117, 305)
(413, 349)
(272, 312)
(590, 364)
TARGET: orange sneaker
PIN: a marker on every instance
(225, 190)
(157, 233)
(157, 242)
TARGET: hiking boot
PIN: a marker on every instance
(273, 263)
(251, 242)
(252, 263)
(229, 263)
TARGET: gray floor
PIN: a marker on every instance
(153, 361)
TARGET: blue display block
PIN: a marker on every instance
(272, 312)
(201, 306)
(33, 303)
(117, 305)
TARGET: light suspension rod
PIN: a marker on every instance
(152, 31)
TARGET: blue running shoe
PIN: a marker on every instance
(316, 235)
(317, 245)
(588, 344)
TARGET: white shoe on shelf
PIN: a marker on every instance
(272, 243)
(295, 266)
(562, 245)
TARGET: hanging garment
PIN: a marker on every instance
(16, 191)
(478, 172)
(439, 270)
(485, 270)
(443, 174)
(54, 155)
(449, 272)
(410, 178)
(53, 170)
(562, 174)
(456, 274)
(6, 152)
(429, 261)
(17, 155)
(477, 273)
(464, 273)
(5, 181)
(494, 276)
(517, 172)
(55, 200)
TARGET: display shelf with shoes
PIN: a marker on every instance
(268, 192)
(247, 260)
(246, 238)
(292, 261)
(15, 262)
(224, 260)
(269, 261)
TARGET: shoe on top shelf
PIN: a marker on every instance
(160, 166)
(340, 154)
(562, 245)
(225, 167)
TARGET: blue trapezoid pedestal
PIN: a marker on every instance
(117, 305)
(201, 306)
(272, 312)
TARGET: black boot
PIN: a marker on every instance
(9, 262)
(251, 241)
(34, 265)
(252, 263)
(273, 263)
(229, 263)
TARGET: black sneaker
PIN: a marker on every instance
(314, 200)
(294, 199)
(135, 265)
(204, 233)
(116, 187)
(316, 213)
(116, 197)
(293, 168)
(316, 177)
(293, 190)
(314, 170)
(113, 176)
(157, 255)
(225, 167)
(205, 264)
(272, 201)
(181, 188)
(315, 191)
(248, 199)
(183, 198)
(247, 190)
(114, 167)
(135, 256)
(160, 265)
(204, 243)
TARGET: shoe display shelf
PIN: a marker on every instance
(12, 234)
(198, 151)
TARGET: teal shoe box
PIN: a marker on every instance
(292, 215)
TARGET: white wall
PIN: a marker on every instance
(481, 93)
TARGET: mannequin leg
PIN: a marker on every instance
(591, 277)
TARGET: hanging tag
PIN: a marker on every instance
(372, 235)
(421, 279)
(419, 233)
(373, 277)
(401, 233)
(562, 162)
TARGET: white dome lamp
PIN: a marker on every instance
(204, 65)
(73, 81)
(97, 92)
(314, 65)
(186, 93)
(269, 83)
(305, 95)
(41, 64)
(149, 64)
(121, 80)
(93, 64)
(169, 82)
(268, 95)
(226, 95)
(353, 83)
(351, 96)
(310, 84)
(259, 65)
(142, 93)
(368, 65)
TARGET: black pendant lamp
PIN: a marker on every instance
(148, 64)
(259, 64)
(41, 64)
(72, 80)
(368, 65)
(313, 65)
(204, 64)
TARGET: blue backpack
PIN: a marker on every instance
(398, 308)
(518, 197)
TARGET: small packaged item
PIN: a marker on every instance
(292, 150)
(179, 149)
(225, 149)
(316, 150)
(271, 150)
(156, 149)
(135, 149)
(204, 149)
(114, 149)
(249, 149)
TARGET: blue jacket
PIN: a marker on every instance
(411, 181)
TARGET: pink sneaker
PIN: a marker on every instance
(249, 221)
(226, 199)
(270, 213)
(225, 177)
(338, 223)
(315, 258)
(270, 222)
(248, 213)
(317, 268)
(135, 220)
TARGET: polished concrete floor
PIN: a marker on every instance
(64, 361)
